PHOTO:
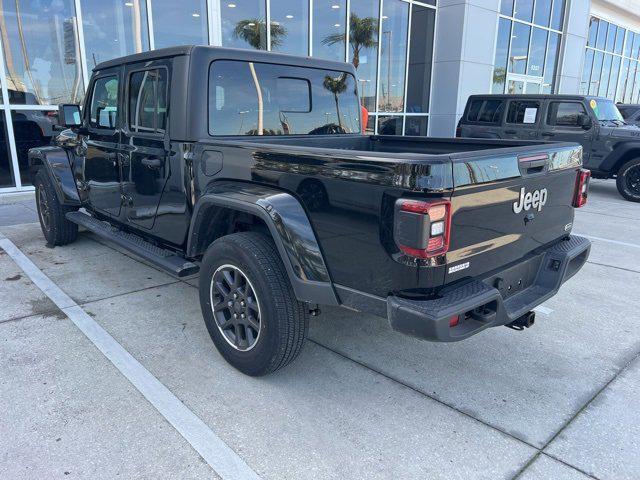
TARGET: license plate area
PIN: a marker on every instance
(516, 278)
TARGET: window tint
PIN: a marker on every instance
(148, 101)
(485, 111)
(104, 103)
(564, 113)
(249, 98)
(523, 111)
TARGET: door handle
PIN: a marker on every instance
(510, 132)
(152, 162)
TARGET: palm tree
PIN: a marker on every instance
(336, 86)
(363, 33)
(253, 31)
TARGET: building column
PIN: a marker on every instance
(574, 41)
(463, 59)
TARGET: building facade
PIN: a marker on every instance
(417, 60)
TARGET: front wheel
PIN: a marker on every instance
(248, 304)
(57, 230)
(628, 180)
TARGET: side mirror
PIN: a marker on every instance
(584, 121)
(69, 115)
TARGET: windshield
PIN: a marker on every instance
(605, 109)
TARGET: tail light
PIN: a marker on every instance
(422, 229)
(459, 129)
(582, 188)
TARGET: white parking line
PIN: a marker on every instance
(222, 459)
(616, 242)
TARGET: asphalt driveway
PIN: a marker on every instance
(556, 401)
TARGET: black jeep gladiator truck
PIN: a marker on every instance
(250, 168)
(611, 145)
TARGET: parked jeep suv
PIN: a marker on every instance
(611, 147)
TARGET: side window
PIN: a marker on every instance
(148, 101)
(491, 111)
(474, 109)
(565, 113)
(104, 103)
(523, 112)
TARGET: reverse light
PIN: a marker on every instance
(422, 229)
(582, 188)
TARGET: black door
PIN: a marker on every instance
(144, 146)
(561, 125)
(101, 165)
(522, 119)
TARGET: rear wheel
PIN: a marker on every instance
(628, 180)
(57, 230)
(248, 304)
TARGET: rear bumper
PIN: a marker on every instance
(480, 304)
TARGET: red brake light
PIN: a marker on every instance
(582, 188)
(426, 234)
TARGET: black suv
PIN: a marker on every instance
(611, 145)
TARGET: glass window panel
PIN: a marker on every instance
(371, 125)
(500, 60)
(506, 7)
(519, 48)
(602, 34)
(635, 49)
(329, 27)
(619, 40)
(179, 23)
(6, 165)
(236, 88)
(565, 113)
(523, 10)
(628, 44)
(636, 85)
(420, 58)
(624, 74)
(611, 38)
(389, 125)
(41, 53)
(518, 109)
(586, 72)
(604, 75)
(243, 24)
(113, 28)
(363, 47)
(595, 73)
(290, 27)
(629, 82)
(557, 15)
(148, 101)
(613, 79)
(536, 53)
(416, 126)
(31, 129)
(550, 62)
(542, 12)
(393, 55)
(593, 31)
(104, 103)
(515, 87)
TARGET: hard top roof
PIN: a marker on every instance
(227, 53)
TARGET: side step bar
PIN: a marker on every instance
(164, 259)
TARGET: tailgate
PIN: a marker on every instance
(507, 204)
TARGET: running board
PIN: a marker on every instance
(164, 259)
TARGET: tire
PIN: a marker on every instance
(57, 230)
(628, 180)
(282, 320)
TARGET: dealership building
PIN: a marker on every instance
(417, 61)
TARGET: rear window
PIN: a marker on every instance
(251, 98)
(485, 111)
(523, 111)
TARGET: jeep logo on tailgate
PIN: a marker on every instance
(529, 200)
